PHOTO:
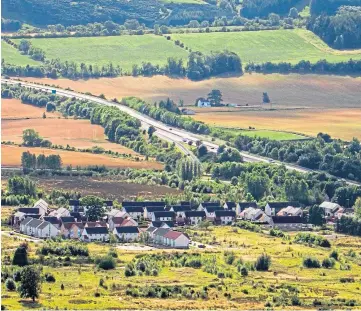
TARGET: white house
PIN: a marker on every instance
(194, 217)
(272, 208)
(287, 223)
(163, 216)
(202, 102)
(224, 217)
(330, 208)
(46, 230)
(241, 206)
(23, 224)
(42, 205)
(211, 211)
(176, 239)
(149, 211)
(60, 212)
(251, 214)
(95, 234)
(127, 234)
(136, 212)
(290, 211)
(31, 227)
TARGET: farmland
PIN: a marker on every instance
(261, 46)
(285, 279)
(60, 131)
(11, 156)
(124, 50)
(13, 56)
(333, 102)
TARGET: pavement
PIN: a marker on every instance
(163, 131)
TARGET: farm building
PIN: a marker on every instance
(286, 223)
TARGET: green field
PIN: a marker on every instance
(13, 56)
(272, 45)
(257, 46)
(274, 135)
(123, 50)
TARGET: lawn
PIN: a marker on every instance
(124, 51)
(14, 57)
(285, 279)
(261, 46)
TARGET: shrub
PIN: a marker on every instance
(106, 263)
(62, 286)
(312, 239)
(49, 278)
(310, 262)
(97, 294)
(295, 301)
(244, 271)
(17, 276)
(347, 280)
(21, 256)
(328, 263)
(263, 262)
(113, 253)
(10, 284)
(334, 254)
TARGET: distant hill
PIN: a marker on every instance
(75, 12)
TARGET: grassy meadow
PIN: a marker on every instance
(278, 287)
(124, 51)
(271, 45)
(14, 57)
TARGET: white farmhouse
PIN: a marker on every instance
(126, 234)
(95, 234)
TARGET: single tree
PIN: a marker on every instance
(266, 99)
(30, 283)
(215, 97)
(21, 256)
(151, 131)
(94, 204)
(357, 207)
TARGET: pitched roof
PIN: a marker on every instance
(29, 210)
(127, 229)
(225, 213)
(113, 212)
(131, 203)
(287, 219)
(243, 205)
(74, 202)
(80, 225)
(52, 219)
(154, 208)
(173, 235)
(96, 230)
(185, 203)
(37, 216)
(41, 203)
(158, 224)
(44, 224)
(26, 220)
(67, 219)
(129, 222)
(330, 205)
(209, 204)
(19, 214)
(118, 220)
(67, 225)
(195, 213)
(76, 215)
(161, 231)
(282, 204)
(154, 203)
(212, 209)
(93, 224)
(180, 208)
(34, 223)
(164, 214)
(231, 205)
(133, 209)
(289, 210)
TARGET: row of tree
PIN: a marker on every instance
(351, 67)
(31, 161)
(162, 114)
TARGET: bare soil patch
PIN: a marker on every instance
(106, 187)
(11, 157)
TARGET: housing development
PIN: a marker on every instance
(181, 155)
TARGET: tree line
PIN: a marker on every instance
(262, 8)
(31, 161)
(168, 117)
(351, 67)
(333, 156)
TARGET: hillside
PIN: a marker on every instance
(66, 12)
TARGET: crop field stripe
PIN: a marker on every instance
(14, 57)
